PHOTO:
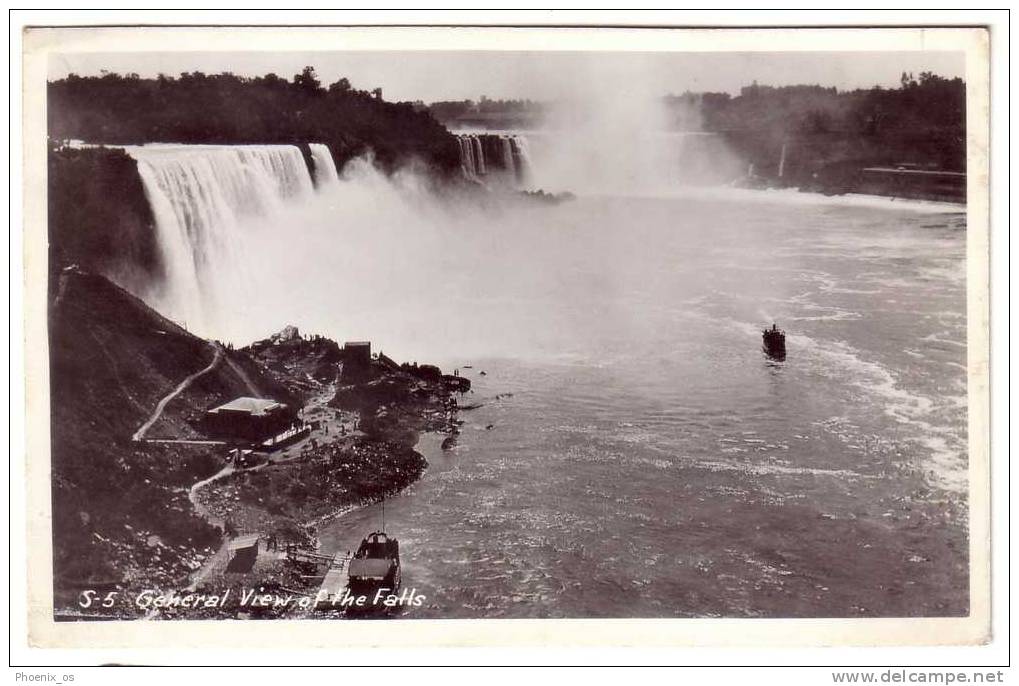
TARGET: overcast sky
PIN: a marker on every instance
(458, 75)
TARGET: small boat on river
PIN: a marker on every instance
(774, 343)
(374, 571)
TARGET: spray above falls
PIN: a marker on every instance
(247, 235)
(641, 162)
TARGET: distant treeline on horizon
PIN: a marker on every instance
(923, 119)
(225, 108)
(928, 99)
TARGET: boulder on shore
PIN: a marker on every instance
(289, 333)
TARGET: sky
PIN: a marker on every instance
(457, 75)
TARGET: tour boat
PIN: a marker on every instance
(774, 342)
(374, 571)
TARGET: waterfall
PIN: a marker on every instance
(200, 196)
(495, 156)
(325, 168)
(467, 157)
(508, 163)
(472, 156)
(479, 155)
(525, 152)
(521, 159)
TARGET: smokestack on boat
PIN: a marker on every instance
(774, 343)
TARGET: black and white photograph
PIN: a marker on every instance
(451, 333)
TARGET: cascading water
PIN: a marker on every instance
(468, 160)
(325, 168)
(494, 157)
(479, 155)
(508, 163)
(200, 196)
(524, 153)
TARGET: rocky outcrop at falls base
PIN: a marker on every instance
(548, 198)
(286, 335)
(302, 362)
(398, 404)
(363, 433)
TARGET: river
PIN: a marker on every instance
(636, 455)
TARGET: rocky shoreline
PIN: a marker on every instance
(360, 450)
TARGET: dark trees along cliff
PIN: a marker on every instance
(229, 109)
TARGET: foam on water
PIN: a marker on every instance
(945, 463)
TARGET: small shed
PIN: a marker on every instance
(243, 553)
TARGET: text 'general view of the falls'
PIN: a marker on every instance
(638, 355)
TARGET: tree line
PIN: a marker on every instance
(450, 110)
(195, 107)
(927, 103)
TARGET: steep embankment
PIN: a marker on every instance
(120, 508)
(122, 518)
(157, 413)
(99, 217)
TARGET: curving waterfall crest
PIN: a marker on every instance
(325, 167)
(200, 197)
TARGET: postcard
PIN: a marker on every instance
(507, 336)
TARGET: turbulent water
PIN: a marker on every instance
(634, 454)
